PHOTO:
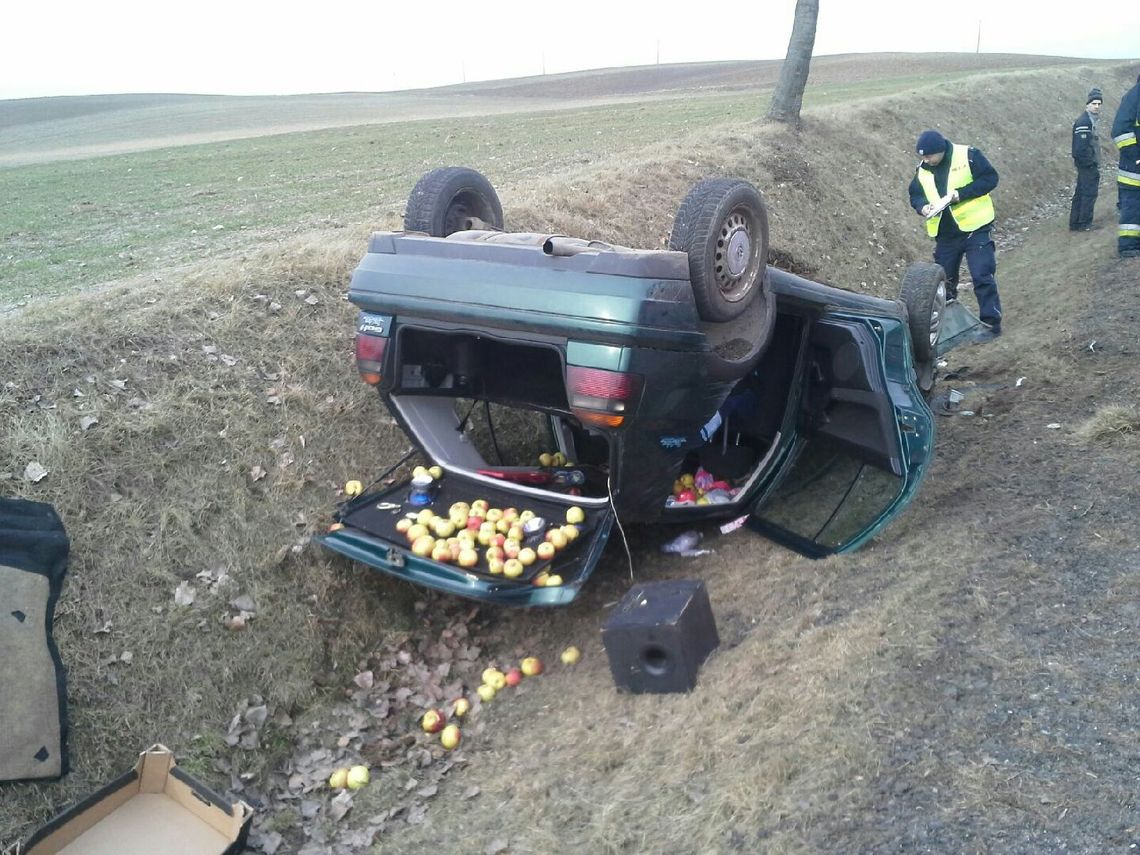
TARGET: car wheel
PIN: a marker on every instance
(453, 199)
(924, 293)
(722, 225)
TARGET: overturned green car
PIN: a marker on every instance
(637, 386)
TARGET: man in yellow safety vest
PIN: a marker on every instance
(951, 190)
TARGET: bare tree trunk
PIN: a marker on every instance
(788, 97)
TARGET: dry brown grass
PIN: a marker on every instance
(1113, 423)
(197, 381)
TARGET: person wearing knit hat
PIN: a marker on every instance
(951, 191)
(1086, 157)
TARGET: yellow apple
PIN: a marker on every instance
(353, 488)
(556, 537)
(495, 566)
(425, 516)
(575, 515)
(570, 532)
(486, 692)
(531, 666)
(441, 552)
(546, 460)
(545, 550)
(527, 556)
(570, 655)
(444, 528)
(435, 472)
(450, 736)
(423, 545)
(468, 558)
(416, 531)
(460, 707)
(357, 777)
(512, 568)
(403, 524)
(336, 526)
(338, 780)
(553, 580)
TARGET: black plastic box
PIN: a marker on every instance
(658, 636)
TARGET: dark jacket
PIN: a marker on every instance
(1086, 147)
(1126, 125)
(985, 180)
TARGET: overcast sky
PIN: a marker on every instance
(248, 47)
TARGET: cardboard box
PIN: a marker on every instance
(154, 808)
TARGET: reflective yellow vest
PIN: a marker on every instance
(969, 214)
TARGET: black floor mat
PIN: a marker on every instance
(33, 701)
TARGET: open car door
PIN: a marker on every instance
(864, 436)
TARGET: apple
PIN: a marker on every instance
(455, 548)
(457, 507)
(512, 547)
(425, 516)
(539, 581)
(473, 523)
(418, 471)
(353, 488)
(450, 736)
(416, 530)
(513, 677)
(686, 496)
(494, 553)
(486, 692)
(527, 556)
(489, 675)
(510, 514)
(553, 580)
(515, 532)
(570, 655)
(357, 777)
(403, 524)
(433, 721)
(484, 537)
(556, 537)
(570, 531)
(423, 545)
(468, 558)
(441, 552)
(444, 528)
(526, 515)
(575, 514)
(546, 460)
(545, 550)
(531, 666)
(688, 480)
(503, 526)
(512, 568)
(494, 514)
(559, 458)
(480, 506)
(336, 526)
(435, 472)
(338, 780)
(495, 566)
(460, 707)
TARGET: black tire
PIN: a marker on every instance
(452, 199)
(924, 294)
(722, 225)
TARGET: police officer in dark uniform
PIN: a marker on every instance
(1125, 130)
(1086, 156)
(961, 177)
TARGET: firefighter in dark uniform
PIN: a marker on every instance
(1125, 129)
(963, 228)
(1086, 156)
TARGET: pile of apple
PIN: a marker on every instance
(499, 532)
(692, 489)
(548, 460)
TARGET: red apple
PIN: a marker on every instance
(531, 666)
(433, 721)
(514, 677)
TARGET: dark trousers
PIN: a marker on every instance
(1084, 197)
(1128, 232)
(978, 247)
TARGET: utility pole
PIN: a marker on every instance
(659, 51)
(544, 63)
(978, 47)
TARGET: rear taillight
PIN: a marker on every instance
(602, 398)
(370, 357)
